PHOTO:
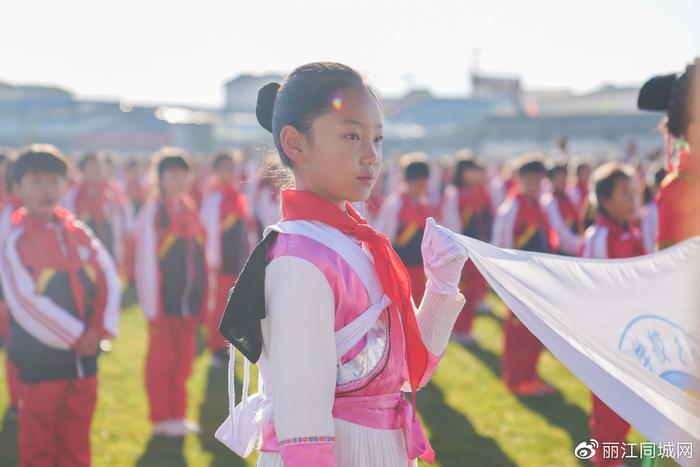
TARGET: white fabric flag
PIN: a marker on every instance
(627, 328)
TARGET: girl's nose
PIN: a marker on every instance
(371, 155)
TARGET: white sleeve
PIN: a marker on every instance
(649, 224)
(497, 190)
(450, 216)
(568, 241)
(267, 210)
(300, 319)
(574, 195)
(210, 218)
(595, 242)
(388, 217)
(68, 200)
(110, 320)
(145, 262)
(35, 313)
(504, 223)
(436, 318)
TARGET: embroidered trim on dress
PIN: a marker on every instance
(307, 440)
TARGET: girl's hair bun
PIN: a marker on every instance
(266, 103)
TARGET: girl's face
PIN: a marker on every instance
(40, 193)
(226, 172)
(174, 181)
(531, 184)
(92, 171)
(559, 181)
(471, 177)
(622, 204)
(340, 157)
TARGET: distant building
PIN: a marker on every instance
(495, 86)
(499, 119)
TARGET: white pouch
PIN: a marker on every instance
(242, 428)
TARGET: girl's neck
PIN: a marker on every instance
(41, 217)
(339, 203)
(623, 224)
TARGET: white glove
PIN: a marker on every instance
(443, 258)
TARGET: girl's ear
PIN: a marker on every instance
(292, 141)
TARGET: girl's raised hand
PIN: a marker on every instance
(443, 258)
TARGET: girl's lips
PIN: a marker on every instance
(367, 179)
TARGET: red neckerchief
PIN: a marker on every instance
(583, 190)
(532, 211)
(182, 218)
(233, 202)
(617, 232)
(304, 205)
(566, 207)
(72, 263)
(231, 198)
(414, 211)
(91, 206)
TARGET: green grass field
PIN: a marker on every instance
(468, 413)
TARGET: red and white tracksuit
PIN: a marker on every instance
(10, 205)
(58, 281)
(402, 219)
(564, 223)
(106, 210)
(468, 210)
(231, 234)
(171, 282)
(520, 224)
(606, 239)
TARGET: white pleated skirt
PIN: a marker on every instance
(358, 446)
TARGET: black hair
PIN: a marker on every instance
(306, 93)
(605, 178)
(38, 158)
(171, 158)
(672, 94)
(580, 166)
(555, 167)
(89, 157)
(222, 157)
(416, 170)
(531, 165)
(678, 109)
(659, 176)
(464, 164)
(10, 179)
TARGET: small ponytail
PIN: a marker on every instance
(266, 104)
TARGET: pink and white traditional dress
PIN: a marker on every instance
(333, 359)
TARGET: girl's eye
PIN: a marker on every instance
(353, 136)
(379, 139)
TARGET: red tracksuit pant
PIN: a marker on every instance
(607, 427)
(417, 275)
(473, 287)
(11, 373)
(520, 353)
(54, 422)
(224, 282)
(171, 348)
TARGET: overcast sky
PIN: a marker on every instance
(166, 51)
